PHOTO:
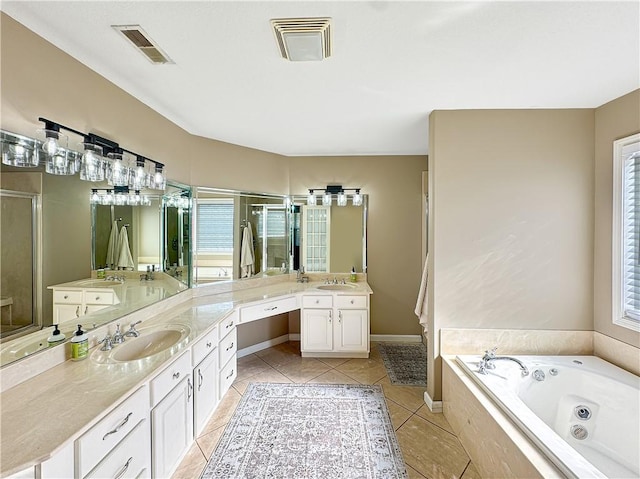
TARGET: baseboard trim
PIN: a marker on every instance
(263, 345)
(434, 406)
(294, 336)
(405, 338)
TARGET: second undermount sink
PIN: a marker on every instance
(151, 341)
(98, 283)
(336, 287)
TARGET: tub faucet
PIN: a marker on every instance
(490, 356)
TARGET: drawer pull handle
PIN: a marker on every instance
(229, 325)
(66, 296)
(230, 347)
(272, 308)
(97, 298)
(122, 471)
(176, 375)
(117, 428)
(352, 301)
(199, 379)
(230, 374)
(209, 344)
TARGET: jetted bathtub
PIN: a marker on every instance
(581, 411)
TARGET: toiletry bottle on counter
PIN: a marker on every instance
(56, 336)
(354, 278)
(100, 273)
(79, 345)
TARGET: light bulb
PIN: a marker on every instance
(342, 199)
(311, 199)
(326, 199)
(50, 146)
(19, 151)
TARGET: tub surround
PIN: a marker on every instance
(78, 394)
(621, 354)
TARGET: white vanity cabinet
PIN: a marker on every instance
(334, 325)
(227, 357)
(171, 416)
(205, 379)
(71, 303)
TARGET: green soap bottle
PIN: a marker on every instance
(354, 278)
(79, 345)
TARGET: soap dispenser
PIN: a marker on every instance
(79, 345)
(56, 336)
(354, 277)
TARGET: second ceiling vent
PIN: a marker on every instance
(303, 39)
(139, 38)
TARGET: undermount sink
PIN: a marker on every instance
(98, 283)
(152, 341)
(336, 287)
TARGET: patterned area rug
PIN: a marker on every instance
(406, 363)
(305, 431)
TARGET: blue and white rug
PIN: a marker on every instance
(309, 431)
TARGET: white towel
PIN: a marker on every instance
(247, 257)
(125, 260)
(112, 250)
(422, 305)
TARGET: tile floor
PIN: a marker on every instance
(429, 447)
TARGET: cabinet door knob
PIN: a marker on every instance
(78, 312)
(66, 296)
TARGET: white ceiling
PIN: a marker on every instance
(393, 63)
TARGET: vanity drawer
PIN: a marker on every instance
(164, 382)
(98, 297)
(96, 443)
(229, 322)
(130, 459)
(228, 347)
(268, 308)
(227, 376)
(66, 296)
(317, 301)
(204, 346)
(351, 302)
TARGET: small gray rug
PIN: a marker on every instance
(406, 363)
(305, 431)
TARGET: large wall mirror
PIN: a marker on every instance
(239, 235)
(52, 233)
(328, 239)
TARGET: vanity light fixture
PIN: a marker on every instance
(339, 192)
(101, 157)
(119, 196)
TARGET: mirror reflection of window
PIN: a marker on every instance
(271, 237)
(316, 229)
(214, 239)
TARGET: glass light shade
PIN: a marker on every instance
(326, 199)
(139, 177)
(19, 152)
(342, 199)
(94, 198)
(117, 170)
(158, 181)
(92, 163)
(53, 141)
(357, 199)
(61, 163)
(311, 199)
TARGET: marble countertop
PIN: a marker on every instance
(61, 403)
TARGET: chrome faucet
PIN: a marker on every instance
(118, 337)
(115, 277)
(490, 356)
(300, 278)
(108, 345)
(132, 330)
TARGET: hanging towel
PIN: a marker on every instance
(247, 257)
(422, 305)
(112, 250)
(125, 260)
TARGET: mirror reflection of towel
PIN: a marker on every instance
(125, 260)
(247, 257)
(422, 304)
(112, 250)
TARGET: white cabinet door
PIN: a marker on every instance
(316, 330)
(65, 312)
(172, 429)
(352, 330)
(91, 308)
(205, 380)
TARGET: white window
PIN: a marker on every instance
(626, 232)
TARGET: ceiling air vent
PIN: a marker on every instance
(136, 35)
(303, 39)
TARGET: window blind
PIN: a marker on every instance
(214, 232)
(631, 232)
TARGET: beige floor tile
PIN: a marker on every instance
(333, 362)
(436, 418)
(301, 370)
(278, 355)
(413, 474)
(250, 366)
(208, 442)
(333, 377)
(398, 414)
(410, 397)
(431, 451)
(192, 464)
(270, 376)
(471, 472)
(365, 371)
(224, 411)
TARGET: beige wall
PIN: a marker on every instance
(394, 186)
(511, 221)
(346, 238)
(614, 120)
